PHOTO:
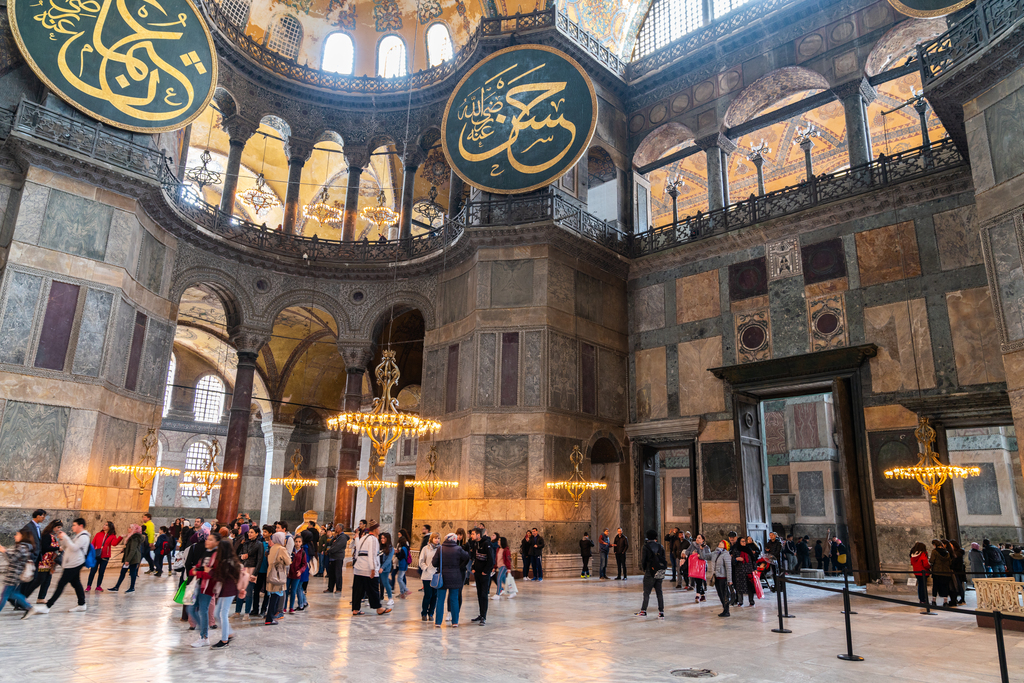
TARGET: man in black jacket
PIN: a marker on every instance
(653, 565)
(483, 563)
(621, 545)
(672, 545)
(536, 552)
(336, 560)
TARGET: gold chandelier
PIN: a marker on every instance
(294, 481)
(576, 485)
(320, 210)
(206, 480)
(373, 483)
(145, 470)
(379, 215)
(261, 198)
(431, 485)
(384, 425)
(929, 471)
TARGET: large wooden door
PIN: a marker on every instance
(754, 509)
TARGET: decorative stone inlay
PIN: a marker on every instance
(784, 259)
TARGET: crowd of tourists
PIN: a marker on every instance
(950, 567)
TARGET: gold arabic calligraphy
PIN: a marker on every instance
(131, 59)
(484, 110)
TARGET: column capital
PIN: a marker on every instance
(238, 129)
(357, 356)
(248, 339)
(297, 150)
(851, 88)
(414, 157)
(357, 157)
(716, 140)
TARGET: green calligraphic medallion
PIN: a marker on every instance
(146, 66)
(519, 119)
(928, 8)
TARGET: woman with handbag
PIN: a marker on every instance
(104, 541)
(19, 570)
(697, 565)
(503, 566)
(298, 565)
(132, 558)
(252, 555)
(199, 611)
(450, 561)
(48, 558)
(223, 584)
(277, 576)
(922, 568)
(427, 573)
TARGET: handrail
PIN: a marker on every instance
(882, 172)
(977, 29)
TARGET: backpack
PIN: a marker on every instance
(90, 556)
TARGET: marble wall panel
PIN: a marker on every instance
(889, 327)
(651, 384)
(589, 297)
(681, 497)
(1009, 277)
(131, 377)
(956, 232)
(788, 313)
(719, 471)
(93, 333)
(588, 379)
(9, 200)
(509, 393)
(467, 360)
(896, 448)
(31, 212)
(780, 483)
(823, 261)
(561, 286)
(116, 440)
(649, 308)
(975, 337)
(753, 336)
(55, 332)
(1004, 121)
(455, 299)
(557, 466)
(887, 254)
(451, 380)
(611, 385)
(615, 314)
(150, 271)
(486, 372)
(982, 493)
(826, 322)
(511, 283)
(563, 368)
(805, 426)
(700, 391)
(120, 340)
(698, 297)
(156, 357)
(775, 432)
(19, 312)
(78, 441)
(31, 441)
(124, 226)
(433, 371)
(748, 279)
(532, 347)
(784, 258)
(76, 226)
(811, 485)
(506, 460)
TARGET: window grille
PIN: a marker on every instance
(286, 37)
(208, 404)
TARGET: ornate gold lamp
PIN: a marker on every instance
(431, 485)
(384, 424)
(379, 215)
(320, 210)
(294, 482)
(260, 198)
(577, 485)
(145, 470)
(373, 483)
(929, 472)
(205, 481)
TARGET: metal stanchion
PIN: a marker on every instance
(997, 618)
(785, 598)
(849, 656)
(778, 599)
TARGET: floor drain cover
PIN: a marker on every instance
(694, 673)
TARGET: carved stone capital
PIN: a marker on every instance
(357, 156)
(716, 140)
(248, 339)
(851, 88)
(414, 157)
(296, 149)
(357, 355)
(239, 130)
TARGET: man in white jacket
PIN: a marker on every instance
(75, 548)
(365, 570)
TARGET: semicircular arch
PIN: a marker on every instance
(769, 89)
(306, 297)
(659, 141)
(238, 307)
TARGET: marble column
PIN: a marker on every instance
(356, 360)
(921, 107)
(758, 162)
(325, 470)
(456, 187)
(239, 132)
(714, 146)
(725, 178)
(408, 188)
(807, 144)
(855, 96)
(357, 160)
(296, 160)
(186, 143)
(278, 436)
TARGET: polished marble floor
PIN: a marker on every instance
(558, 630)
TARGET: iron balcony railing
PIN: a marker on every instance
(977, 29)
(880, 173)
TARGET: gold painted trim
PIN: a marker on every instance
(910, 12)
(215, 78)
(583, 150)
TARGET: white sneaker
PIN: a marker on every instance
(30, 612)
(202, 642)
(79, 608)
(512, 595)
(448, 617)
(391, 602)
(496, 597)
(41, 609)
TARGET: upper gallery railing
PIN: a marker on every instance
(880, 173)
(373, 85)
(978, 28)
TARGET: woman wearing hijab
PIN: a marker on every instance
(251, 554)
(131, 559)
(197, 552)
(977, 561)
(200, 609)
(451, 560)
(277, 576)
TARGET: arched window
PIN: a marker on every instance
(391, 57)
(339, 53)
(209, 400)
(197, 457)
(237, 11)
(669, 20)
(170, 381)
(286, 37)
(723, 7)
(439, 45)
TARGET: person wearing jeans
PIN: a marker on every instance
(451, 561)
(132, 557)
(605, 542)
(427, 572)
(75, 548)
(17, 557)
(103, 542)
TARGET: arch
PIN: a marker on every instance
(285, 37)
(309, 417)
(277, 123)
(225, 102)
(238, 308)
(401, 302)
(600, 166)
(769, 89)
(392, 59)
(339, 54)
(604, 449)
(306, 297)
(659, 141)
(900, 41)
(331, 136)
(440, 47)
